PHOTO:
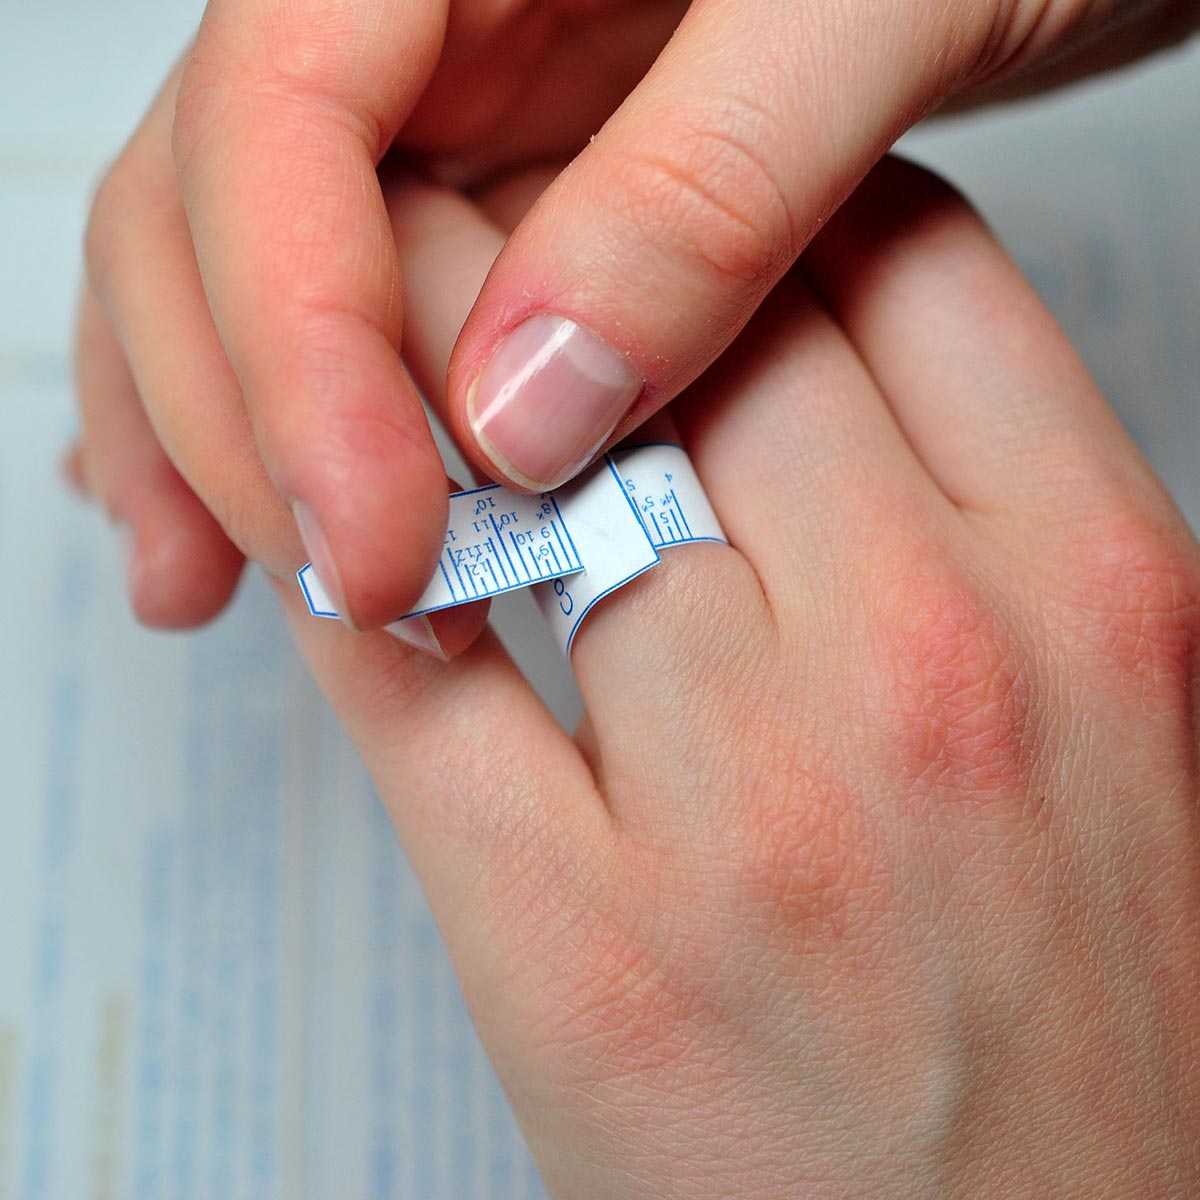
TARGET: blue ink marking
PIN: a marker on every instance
(566, 529)
(679, 510)
(312, 607)
(459, 578)
(558, 534)
(621, 484)
(503, 547)
(495, 560)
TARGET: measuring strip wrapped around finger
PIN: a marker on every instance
(573, 546)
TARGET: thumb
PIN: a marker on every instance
(642, 261)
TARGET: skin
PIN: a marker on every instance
(246, 301)
(873, 868)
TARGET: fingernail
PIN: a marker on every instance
(548, 398)
(418, 632)
(317, 548)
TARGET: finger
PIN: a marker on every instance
(818, 491)
(444, 247)
(643, 260)
(789, 434)
(534, 86)
(297, 101)
(446, 632)
(496, 810)
(194, 398)
(987, 388)
(72, 469)
(398, 707)
(182, 567)
(810, 477)
(143, 271)
(699, 606)
(1127, 33)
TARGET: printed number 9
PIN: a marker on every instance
(565, 603)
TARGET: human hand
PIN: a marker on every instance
(873, 869)
(245, 292)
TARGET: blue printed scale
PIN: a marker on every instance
(660, 511)
(496, 540)
(666, 506)
(605, 528)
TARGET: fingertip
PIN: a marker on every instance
(171, 588)
(445, 633)
(380, 556)
(181, 568)
(346, 442)
(72, 470)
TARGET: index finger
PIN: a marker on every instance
(284, 111)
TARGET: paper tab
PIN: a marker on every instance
(601, 530)
(496, 540)
(659, 485)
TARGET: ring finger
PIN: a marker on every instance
(782, 440)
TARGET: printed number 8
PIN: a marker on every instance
(565, 603)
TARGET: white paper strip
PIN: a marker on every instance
(601, 530)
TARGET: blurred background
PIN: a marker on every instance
(217, 977)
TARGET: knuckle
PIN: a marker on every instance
(960, 713)
(1135, 599)
(1007, 34)
(806, 868)
(135, 206)
(196, 103)
(714, 196)
(624, 993)
(301, 70)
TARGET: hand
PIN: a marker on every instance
(873, 869)
(245, 293)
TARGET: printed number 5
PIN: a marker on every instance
(565, 603)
